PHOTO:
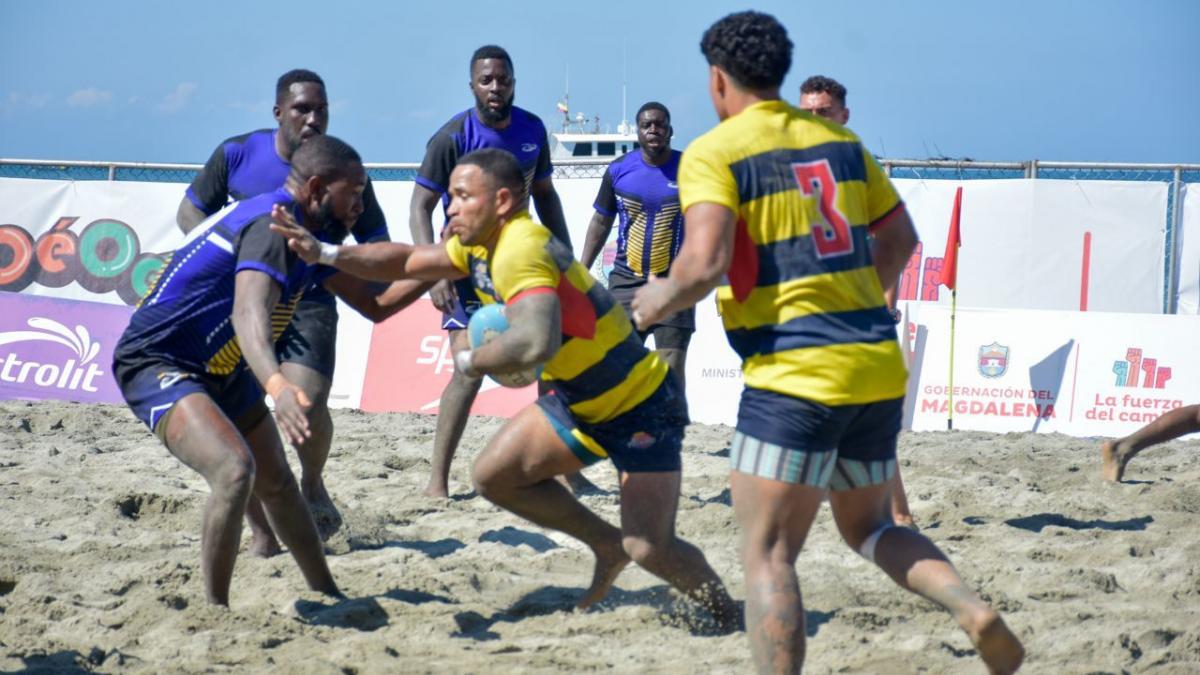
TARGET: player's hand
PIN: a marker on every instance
(650, 302)
(443, 296)
(299, 239)
(291, 409)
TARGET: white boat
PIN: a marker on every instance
(581, 138)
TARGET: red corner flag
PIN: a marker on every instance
(953, 241)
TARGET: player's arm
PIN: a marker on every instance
(380, 261)
(254, 294)
(207, 193)
(893, 240)
(367, 299)
(533, 337)
(549, 209)
(703, 259)
(597, 234)
(602, 220)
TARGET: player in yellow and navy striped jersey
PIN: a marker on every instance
(607, 395)
(805, 225)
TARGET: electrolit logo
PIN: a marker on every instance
(75, 373)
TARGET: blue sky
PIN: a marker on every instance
(141, 80)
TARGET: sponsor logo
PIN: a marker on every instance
(171, 378)
(641, 440)
(993, 360)
(1135, 370)
(106, 255)
(480, 276)
(672, 185)
(529, 147)
(78, 373)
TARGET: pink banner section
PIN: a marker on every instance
(62, 350)
(410, 363)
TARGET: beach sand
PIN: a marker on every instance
(99, 563)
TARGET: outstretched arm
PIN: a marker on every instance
(380, 261)
(533, 337)
(549, 209)
(703, 259)
(365, 297)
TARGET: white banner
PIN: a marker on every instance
(1188, 298)
(1042, 244)
(1078, 373)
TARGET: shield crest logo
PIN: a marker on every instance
(993, 360)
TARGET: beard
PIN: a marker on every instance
(333, 229)
(490, 116)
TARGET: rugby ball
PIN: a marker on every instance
(485, 325)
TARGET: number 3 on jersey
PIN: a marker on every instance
(831, 236)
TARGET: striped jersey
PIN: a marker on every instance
(187, 316)
(804, 307)
(602, 369)
(646, 200)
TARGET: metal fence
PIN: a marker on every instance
(1176, 175)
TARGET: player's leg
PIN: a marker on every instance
(671, 343)
(774, 517)
(307, 354)
(861, 503)
(649, 501)
(901, 513)
(276, 487)
(198, 433)
(516, 472)
(453, 411)
(1115, 455)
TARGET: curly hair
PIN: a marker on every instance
(819, 84)
(752, 47)
(491, 52)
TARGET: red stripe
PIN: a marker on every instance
(538, 290)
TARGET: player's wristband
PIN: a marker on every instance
(275, 384)
(328, 254)
(463, 363)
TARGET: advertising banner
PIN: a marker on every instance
(53, 349)
(1188, 299)
(1078, 373)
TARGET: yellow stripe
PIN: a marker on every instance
(578, 355)
(845, 374)
(589, 443)
(635, 237)
(664, 239)
(817, 294)
(643, 379)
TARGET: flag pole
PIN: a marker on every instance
(950, 386)
(950, 280)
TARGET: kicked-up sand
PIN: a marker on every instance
(99, 563)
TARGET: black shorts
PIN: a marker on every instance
(152, 388)
(311, 338)
(673, 332)
(646, 438)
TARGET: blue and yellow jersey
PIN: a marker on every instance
(646, 200)
(187, 316)
(602, 369)
(804, 307)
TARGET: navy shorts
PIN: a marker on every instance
(152, 389)
(460, 315)
(673, 332)
(647, 438)
(798, 441)
(311, 338)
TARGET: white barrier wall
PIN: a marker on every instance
(1188, 298)
(1022, 244)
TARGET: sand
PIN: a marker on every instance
(99, 563)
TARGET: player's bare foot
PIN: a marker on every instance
(1112, 461)
(265, 547)
(325, 515)
(1000, 650)
(609, 563)
(436, 491)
